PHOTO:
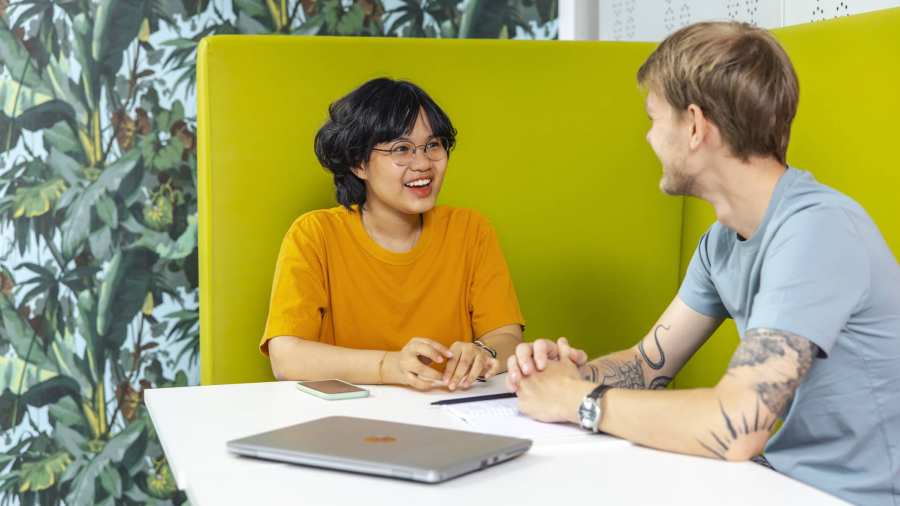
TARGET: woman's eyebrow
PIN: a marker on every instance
(409, 139)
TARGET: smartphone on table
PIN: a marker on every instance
(332, 389)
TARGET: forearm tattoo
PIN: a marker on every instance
(630, 374)
(763, 346)
(591, 373)
(660, 382)
(618, 374)
(656, 365)
(722, 441)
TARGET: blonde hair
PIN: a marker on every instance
(738, 75)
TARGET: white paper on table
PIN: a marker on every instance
(502, 417)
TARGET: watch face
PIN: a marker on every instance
(588, 412)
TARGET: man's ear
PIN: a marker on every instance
(701, 127)
(360, 171)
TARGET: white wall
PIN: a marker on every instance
(653, 20)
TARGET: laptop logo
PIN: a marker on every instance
(380, 439)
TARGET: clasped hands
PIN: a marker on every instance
(466, 362)
(547, 378)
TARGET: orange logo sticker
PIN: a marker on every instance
(380, 439)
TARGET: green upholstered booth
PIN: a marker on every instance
(551, 149)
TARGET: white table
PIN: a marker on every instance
(194, 423)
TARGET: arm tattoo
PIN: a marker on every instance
(763, 345)
(722, 441)
(628, 374)
(655, 365)
(592, 374)
(660, 382)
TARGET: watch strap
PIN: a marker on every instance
(598, 392)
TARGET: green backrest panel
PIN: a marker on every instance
(551, 150)
(846, 133)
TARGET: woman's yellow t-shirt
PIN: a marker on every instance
(335, 285)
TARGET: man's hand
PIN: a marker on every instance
(467, 363)
(409, 365)
(532, 357)
(554, 394)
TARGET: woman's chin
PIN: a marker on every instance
(419, 205)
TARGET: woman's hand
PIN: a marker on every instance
(409, 365)
(467, 362)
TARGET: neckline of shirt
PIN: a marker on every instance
(781, 186)
(376, 250)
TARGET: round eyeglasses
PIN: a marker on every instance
(404, 152)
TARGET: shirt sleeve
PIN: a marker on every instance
(815, 275)
(299, 297)
(697, 289)
(493, 300)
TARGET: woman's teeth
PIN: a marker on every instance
(418, 183)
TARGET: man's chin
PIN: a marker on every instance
(665, 186)
(675, 187)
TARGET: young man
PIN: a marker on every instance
(802, 270)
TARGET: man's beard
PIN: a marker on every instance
(675, 183)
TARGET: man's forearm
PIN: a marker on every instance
(625, 369)
(706, 422)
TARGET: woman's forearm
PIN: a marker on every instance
(294, 358)
(504, 340)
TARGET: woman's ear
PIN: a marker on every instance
(360, 172)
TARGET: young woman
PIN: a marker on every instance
(388, 287)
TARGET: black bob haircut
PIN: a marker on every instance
(380, 110)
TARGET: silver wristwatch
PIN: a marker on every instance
(590, 412)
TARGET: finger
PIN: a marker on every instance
(451, 366)
(478, 366)
(420, 369)
(440, 348)
(492, 367)
(544, 350)
(416, 382)
(579, 357)
(564, 348)
(424, 349)
(509, 384)
(523, 354)
(427, 374)
(513, 374)
(462, 369)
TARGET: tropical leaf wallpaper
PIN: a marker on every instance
(98, 217)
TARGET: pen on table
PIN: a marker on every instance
(427, 361)
(476, 398)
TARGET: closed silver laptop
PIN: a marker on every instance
(398, 450)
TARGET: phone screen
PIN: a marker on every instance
(331, 386)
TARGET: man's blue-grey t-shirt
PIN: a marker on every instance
(818, 267)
